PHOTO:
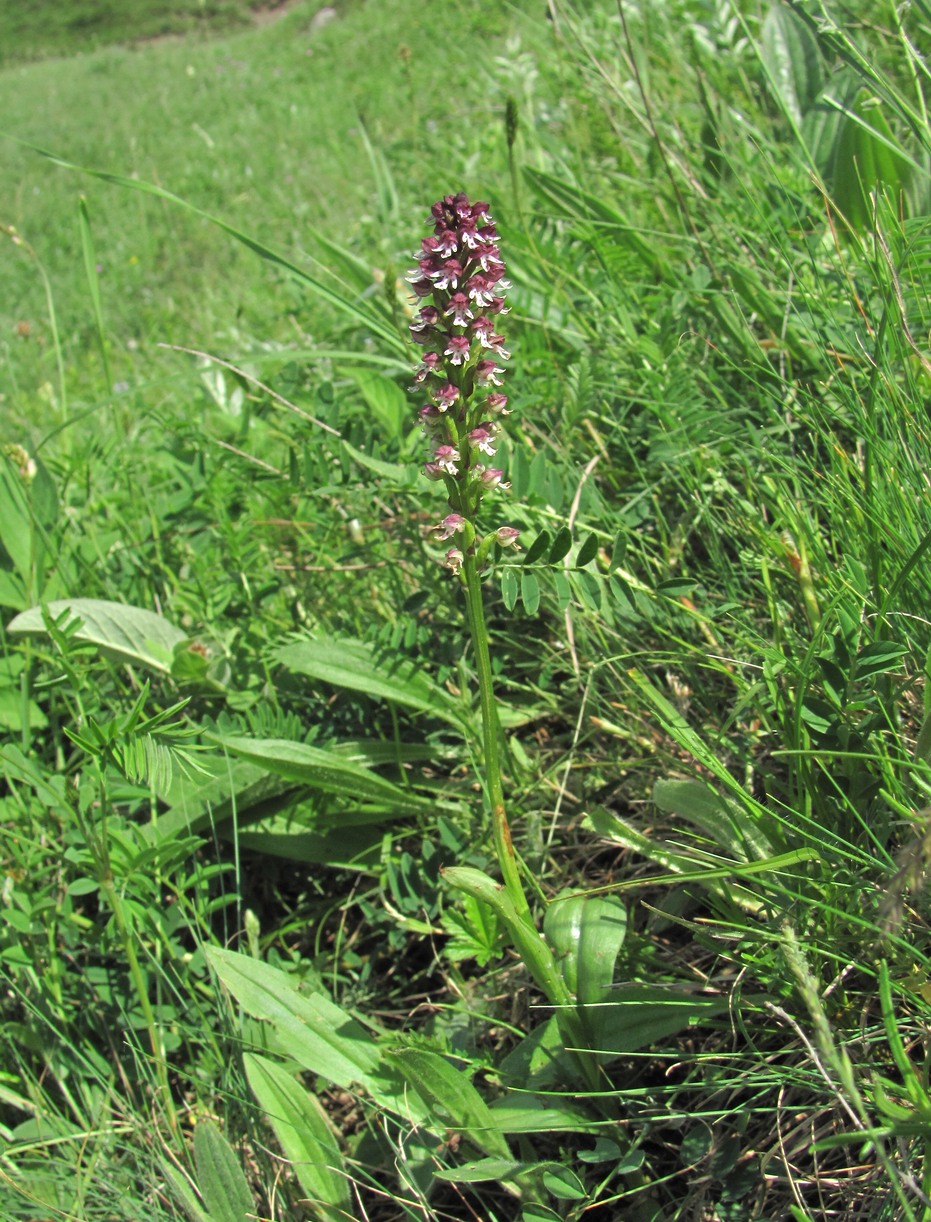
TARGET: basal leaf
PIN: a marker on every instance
(304, 1135)
(325, 771)
(220, 1177)
(451, 1099)
(356, 666)
(128, 634)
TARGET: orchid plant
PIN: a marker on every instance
(460, 277)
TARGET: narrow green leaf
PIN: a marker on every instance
(349, 304)
(878, 659)
(128, 634)
(93, 285)
(220, 1177)
(304, 1135)
(509, 587)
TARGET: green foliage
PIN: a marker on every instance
(249, 896)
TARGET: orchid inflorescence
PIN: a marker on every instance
(459, 267)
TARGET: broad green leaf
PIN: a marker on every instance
(537, 547)
(451, 1099)
(520, 1112)
(220, 1177)
(641, 1015)
(586, 934)
(304, 1135)
(183, 1193)
(234, 789)
(353, 847)
(867, 158)
(562, 545)
(401, 475)
(325, 771)
(356, 666)
(563, 1183)
(587, 552)
(877, 659)
(483, 1170)
(11, 711)
(125, 633)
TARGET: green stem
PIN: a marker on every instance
(155, 1043)
(501, 831)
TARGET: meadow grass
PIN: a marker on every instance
(710, 658)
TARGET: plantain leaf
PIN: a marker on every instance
(304, 1135)
(220, 1177)
(326, 771)
(451, 1099)
(355, 665)
(792, 61)
(125, 633)
(320, 1036)
(586, 933)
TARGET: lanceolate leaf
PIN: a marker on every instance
(304, 1134)
(320, 1036)
(220, 1177)
(325, 771)
(451, 1099)
(356, 666)
(128, 634)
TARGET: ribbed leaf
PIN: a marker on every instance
(356, 666)
(128, 634)
(451, 1099)
(320, 1036)
(792, 61)
(325, 771)
(220, 1177)
(304, 1135)
(586, 934)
